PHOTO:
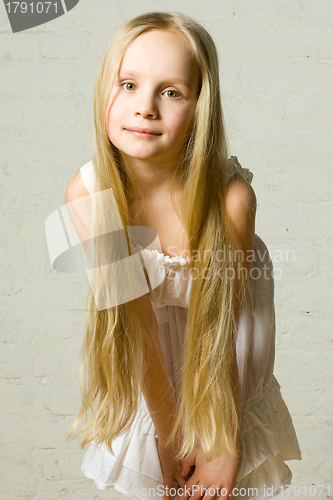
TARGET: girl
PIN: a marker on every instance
(179, 382)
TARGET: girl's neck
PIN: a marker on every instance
(151, 176)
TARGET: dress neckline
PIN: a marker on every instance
(160, 257)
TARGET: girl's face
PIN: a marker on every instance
(156, 90)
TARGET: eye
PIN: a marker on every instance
(174, 91)
(127, 83)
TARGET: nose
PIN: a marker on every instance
(146, 105)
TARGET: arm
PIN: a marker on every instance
(241, 205)
(157, 388)
(159, 396)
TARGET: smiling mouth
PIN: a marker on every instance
(143, 132)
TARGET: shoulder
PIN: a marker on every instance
(78, 185)
(240, 194)
(241, 206)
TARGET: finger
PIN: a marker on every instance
(188, 488)
(211, 492)
(204, 492)
(168, 482)
(224, 493)
(188, 476)
(186, 465)
(198, 491)
(180, 480)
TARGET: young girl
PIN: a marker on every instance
(179, 381)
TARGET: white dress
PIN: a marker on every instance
(268, 434)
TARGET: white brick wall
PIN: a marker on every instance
(276, 79)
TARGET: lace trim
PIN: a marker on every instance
(159, 256)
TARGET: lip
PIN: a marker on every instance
(142, 132)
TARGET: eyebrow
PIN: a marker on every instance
(174, 80)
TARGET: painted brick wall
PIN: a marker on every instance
(276, 77)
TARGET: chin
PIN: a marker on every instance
(139, 155)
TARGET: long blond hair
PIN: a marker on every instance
(112, 362)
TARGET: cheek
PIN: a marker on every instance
(184, 120)
(115, 111)
(114, 117)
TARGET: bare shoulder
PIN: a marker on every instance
(241, 206)
(75, 189)
(240, 194)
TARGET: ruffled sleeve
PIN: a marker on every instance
(235, 167)
(88, 176)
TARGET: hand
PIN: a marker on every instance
(171, 468)
(216, 477)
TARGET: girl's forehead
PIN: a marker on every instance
(158, 50)
(158, 42)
